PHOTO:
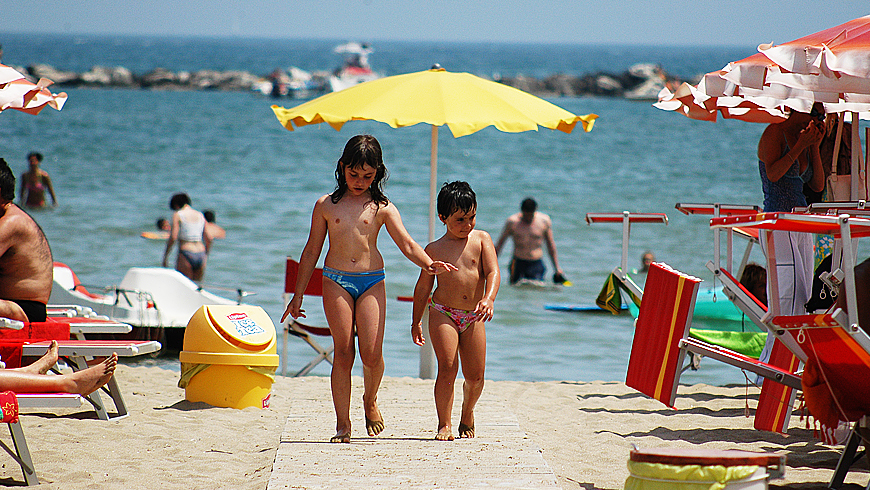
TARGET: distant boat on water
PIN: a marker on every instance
(356, 68)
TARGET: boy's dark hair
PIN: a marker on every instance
(178, 201)
(361, 150)
(456, 196)
(7, 181)
(209, 215)
(528, 205)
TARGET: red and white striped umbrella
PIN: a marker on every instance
(16, 92)
(831, 66)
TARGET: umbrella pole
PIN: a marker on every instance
(427, 353)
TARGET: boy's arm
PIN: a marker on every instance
(421, 295)
(308, 260)
(489, 261)
(407, 245)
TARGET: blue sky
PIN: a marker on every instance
(678, 22)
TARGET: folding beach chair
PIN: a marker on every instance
(661, 342)
(34, 339)
(77, 353)
(299, 329)
(837, 377)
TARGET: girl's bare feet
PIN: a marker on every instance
(444, 433)
(341, 436)
(466, 431)
(374, 419)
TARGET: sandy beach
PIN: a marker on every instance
(583, 432)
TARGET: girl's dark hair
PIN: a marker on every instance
(456, 196)
(178, 201)
(361, 150)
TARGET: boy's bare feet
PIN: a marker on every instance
(444, 433)
(44, 363)
(466, 431)
(341, 436)
(93, 378)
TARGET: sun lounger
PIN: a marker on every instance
(661, 341)
(84, 321)
(19, 449)
(78, 352)
(837, 378)
(302, 330)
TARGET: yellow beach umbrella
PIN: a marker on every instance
(464, 102)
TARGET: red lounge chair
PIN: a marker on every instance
(837, 377)
(34, 339)
(661, 341)
(299, 329)
(620, 272)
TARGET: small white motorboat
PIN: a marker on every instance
(148, 298)
(356, 67)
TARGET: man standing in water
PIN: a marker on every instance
(530, 230)
(26, 266)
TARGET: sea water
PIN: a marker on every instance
(116, 156)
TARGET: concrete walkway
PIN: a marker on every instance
(405, 454)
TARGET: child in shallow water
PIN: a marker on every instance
(352, 216)
(461, 304)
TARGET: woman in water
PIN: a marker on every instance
(188, 228)
(34, 183)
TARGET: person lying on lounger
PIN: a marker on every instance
(33, 378)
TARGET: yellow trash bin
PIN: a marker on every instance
(229, 356)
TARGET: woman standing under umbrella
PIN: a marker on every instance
(788, 156)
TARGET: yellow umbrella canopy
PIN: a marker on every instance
(464, 102)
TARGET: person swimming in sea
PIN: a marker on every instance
(34, 184)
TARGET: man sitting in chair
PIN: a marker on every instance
(26, 265)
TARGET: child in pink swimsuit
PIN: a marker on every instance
(460, 305)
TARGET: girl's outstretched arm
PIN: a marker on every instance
(308, 260)
(408, 246)
(421, 295)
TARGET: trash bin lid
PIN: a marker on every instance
(247, 327)
(706, 457)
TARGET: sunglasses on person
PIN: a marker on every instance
(817, 114)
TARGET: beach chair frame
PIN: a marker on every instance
(301, 330)
(626, 218)
(19, 451)
(76, 353)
